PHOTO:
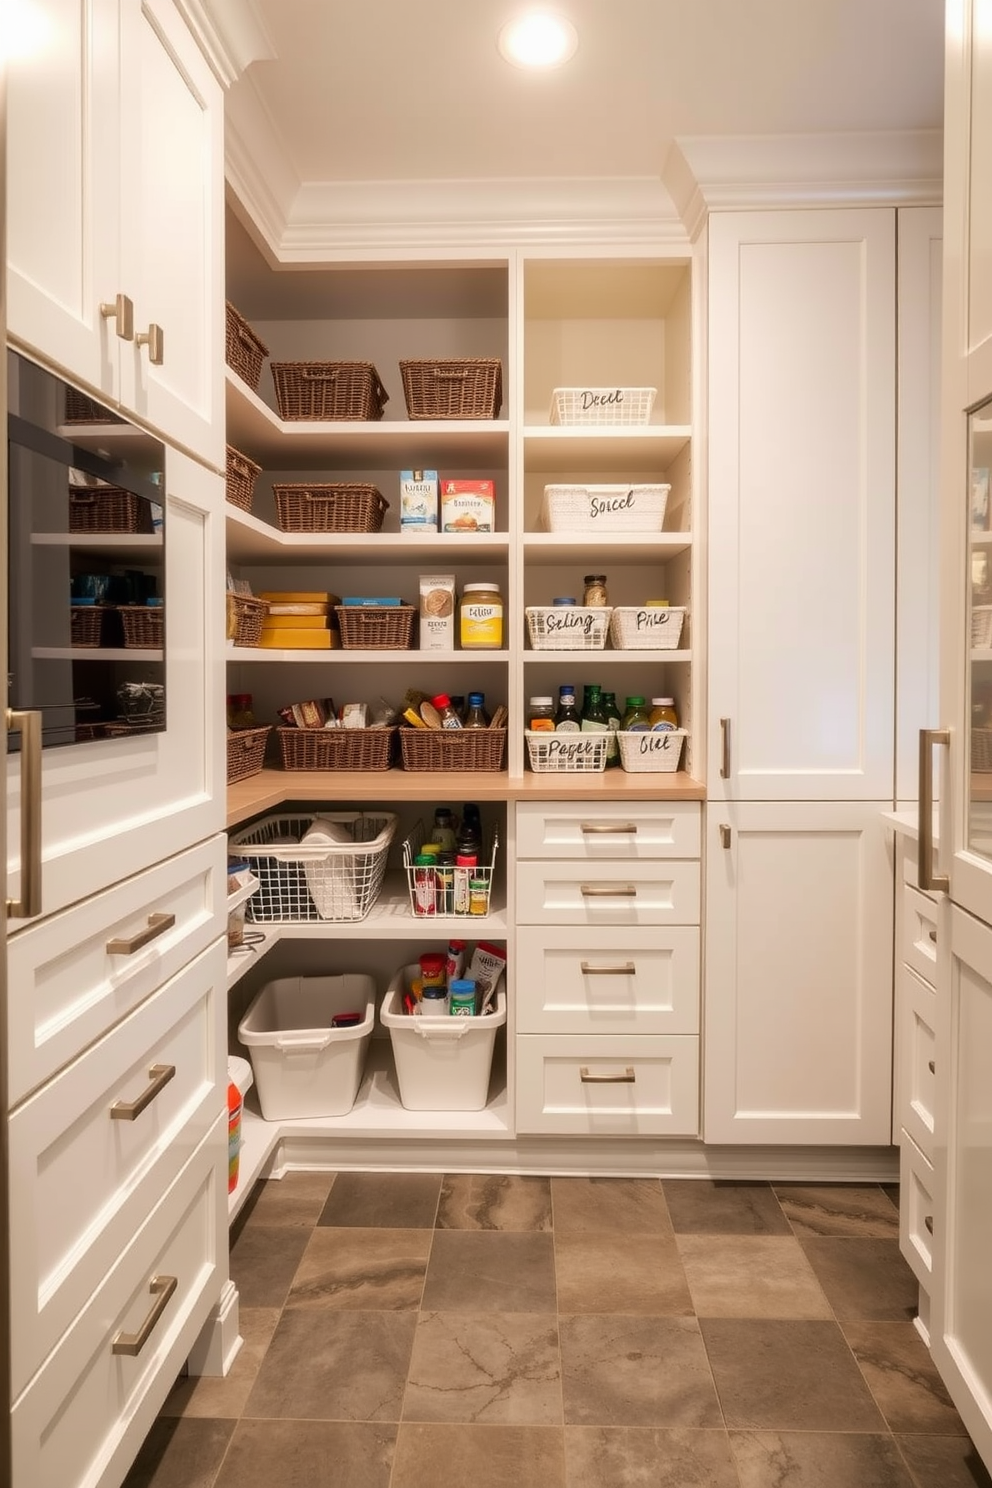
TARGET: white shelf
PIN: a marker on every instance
(597, 448)
(120, 544)
(96, 653)
(251, 540)
(121, 440)
(639, 546)
(258, 1140)
(341, 654)
(609, 658)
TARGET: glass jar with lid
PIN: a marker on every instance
(480, 617)
(595, 595)
(663, 715)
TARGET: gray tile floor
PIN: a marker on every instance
(420, 1331)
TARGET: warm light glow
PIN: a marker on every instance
(24, 30)
(540, 39)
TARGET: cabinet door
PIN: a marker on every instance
(801, 504)
(172, 189)
(961, 1317)
(121, 804)
(798, 981)
(62, 178)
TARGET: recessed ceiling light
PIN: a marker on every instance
(540, 39)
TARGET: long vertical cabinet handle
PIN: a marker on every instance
(725, 760)
(28, 725)
(925, 876)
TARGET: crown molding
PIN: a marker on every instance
(260, 175)
(719, 173)
(231, 35)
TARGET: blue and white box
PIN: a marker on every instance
(418, 500)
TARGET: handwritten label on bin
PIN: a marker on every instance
(572, 751)
(646, 621)
(567, 621)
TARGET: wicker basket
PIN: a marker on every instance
(341, 507)
(452, 749)
(242, 474)
(86, 625)
(608, 508)
(602, 405)
(108, 509)
(981, 625)
(375, 627)
(981, 750)
(650, 751)
(331, 391)
(81, 409)
(633, 628)
(143, 625)
(471, 388)
(245, 752)
(333, 881)
(249, 614)
(244, 352)
(567, 627)
(336, 749)
(566, 754)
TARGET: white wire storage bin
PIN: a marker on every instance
(646, 628)
(566, 754)
(602, 405)
(604, 508)
(448, 890)
(568, 627)
(328, 881)
(650, 751)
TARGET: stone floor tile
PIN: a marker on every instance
(864, 1279)
(903, 1378)
(636, 1371)
(943, 1462)
(222, 1397)
(491, 1201)
(703, 1206)
(638, 1457)
(621, 1273)
(751, 1276)
(839, 1209)
(302, 1454)
(264, 1259)
(609, 1206)
(485, 1367)
(487, 1271)
(350, 1367)
(818, 1459)
(430, 1456)
(394, 1201)
(362, 1270)
(180, 1454)
(294, 1199)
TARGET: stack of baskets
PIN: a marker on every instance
(335, 507)
(244, 352)
(465, 388)
(328, 391)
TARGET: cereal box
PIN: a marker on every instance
(467, 506)
(437, 612)
(418, 500)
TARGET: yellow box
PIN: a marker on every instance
(298, 596)
(295, 622)
(284, 639)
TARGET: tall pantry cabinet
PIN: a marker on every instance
(115, 1036)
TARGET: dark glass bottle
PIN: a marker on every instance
(613, 719)
(568, 719)
(594, 719)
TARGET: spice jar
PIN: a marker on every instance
(480, 618)
(595, 595)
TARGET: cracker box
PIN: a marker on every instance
(437, 612)
(467, 506)
(418, 500)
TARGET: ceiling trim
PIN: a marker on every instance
(231, 34)
(718, 173)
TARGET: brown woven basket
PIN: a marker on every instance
(245, 752)
(249, 614)
(86, 626)
(981, 750)
(337, 749)
(108, 509)
(471, 388)
(81, 409)
(375, 627)
(143, 625)
(242, 474)
(340, 507)
(244, 352)
(452, 749)
(328, 390)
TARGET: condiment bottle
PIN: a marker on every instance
(461, 998)
(480, 618)
(541, 715)
(464, 864)
(446, 712)
(432, 969)
(434, 1002)
(476, 717)
(563, 600)
(595, 594)
(594, 719)
(445, 882)
(424, 884)
(636, 718)
(568, 719)
(443, 831)
(455, 963)
(663, 715)
(469, 839)
(613, 719)
(234, 1109)
(478, 894)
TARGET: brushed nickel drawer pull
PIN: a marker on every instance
(725, 834)
(592, 891)
(157, 925)
(596, 829)
(160, 1075)
(933, 936)
(926, 878)
(161, 1288)
(725, 757)
(928, 1223)
(931, 1066)
(628, 969)
(588, 1078)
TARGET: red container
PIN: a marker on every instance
(235, 1105)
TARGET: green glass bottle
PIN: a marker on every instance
(613, 719)
(594, 719)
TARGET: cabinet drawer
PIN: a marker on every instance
(916, 1189)
(85, 1179)
(648, 893)
(608, 980)
(917, 1009)
(918, 933)
(84, 1415)
(67, 988)
(593, 830)
(608, 1086)
(910, 870)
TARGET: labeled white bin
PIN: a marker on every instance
(303, 1066)
(442, 1063)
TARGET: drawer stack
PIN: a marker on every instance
(608, 904)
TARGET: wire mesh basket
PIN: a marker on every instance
(469, 388)
(242, 474)
(650, 751)
(445, 889)
(646, 628)
(328, 390)
(108, 509)
(246, 752)
(602, 405)
(244, 352)
(604, 508)
(452, 749)
(566, 754)
(325, 881)
(337, 749)
(568, 627)
(143, 625)
(343, 506)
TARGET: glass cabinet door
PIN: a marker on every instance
(978, 778)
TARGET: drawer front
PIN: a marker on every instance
(602, 894)
(85, 1414)
(67, 988)
(916, 1211)
(86, 1178)
(594, 830)
(608, 980)
(917, 1010)
(910, 869)
(918, 933)
(609, 1086)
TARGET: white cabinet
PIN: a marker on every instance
(801, 505)
(115, 188)
(798, 1005)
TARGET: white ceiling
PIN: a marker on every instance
(414, 90)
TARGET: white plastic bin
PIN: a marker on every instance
(442, 1063)
(303, 1066)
